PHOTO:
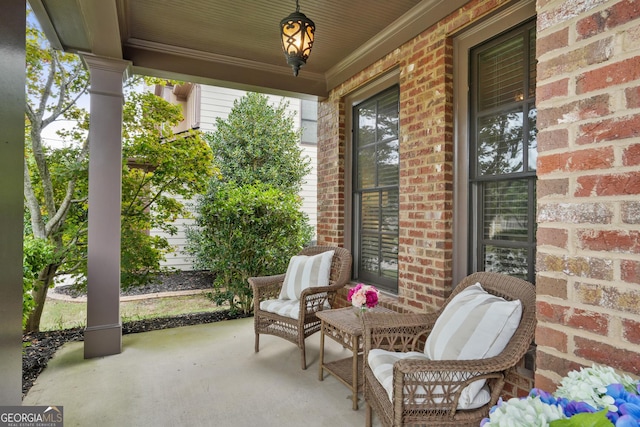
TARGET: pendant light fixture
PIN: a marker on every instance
(297, 38)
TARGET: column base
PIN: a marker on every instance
(103, 340)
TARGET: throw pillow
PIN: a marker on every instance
(474, 325)
(306, 272)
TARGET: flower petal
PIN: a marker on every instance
(630, 409)
(626, 421)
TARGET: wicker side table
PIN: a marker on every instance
(345, 327)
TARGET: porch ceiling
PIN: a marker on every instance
(236, 43)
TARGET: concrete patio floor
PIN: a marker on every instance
(204, 375)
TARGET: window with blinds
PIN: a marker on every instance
(502, 179)
(375, 190)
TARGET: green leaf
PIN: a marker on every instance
(585, 419)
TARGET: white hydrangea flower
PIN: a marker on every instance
(589, 385)
(527, 412)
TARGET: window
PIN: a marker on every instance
(375, 189)
(309, 121)
(502, 154)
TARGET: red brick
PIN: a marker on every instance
(519, 384)
(551, 286)
(591, 159)
(553, 41)
(609, 130)
(551, 312)
(610, 240)
(548, 337)
(508, 391)
(574, 60)
(605, 354)
(630, 271)
(588, 321)
(608, 185)
(596, 106)
(551, 90)
(548, 362)
(552, 139)
(618, 14)
(631, 155)
(552, 187)
(632, 95)
(610, 75)
(552, 236)
(631, 331)
(544, 383)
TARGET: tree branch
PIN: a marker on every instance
(32, 202)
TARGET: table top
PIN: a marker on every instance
(346, 318)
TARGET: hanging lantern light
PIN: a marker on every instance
(297, 38)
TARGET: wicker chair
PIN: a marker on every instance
(311, 300)
(444, 379)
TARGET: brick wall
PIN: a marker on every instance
(426, 157)
(426, 165)
(588, 98)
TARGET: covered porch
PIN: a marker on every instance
(587, 96)
(198, 375)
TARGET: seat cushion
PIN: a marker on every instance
(285, 307)
(474, 325)
(381, 363)
(306, 272)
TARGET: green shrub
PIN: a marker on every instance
(246, 231)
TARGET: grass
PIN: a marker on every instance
(58, 315)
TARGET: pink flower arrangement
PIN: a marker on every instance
(363, 296)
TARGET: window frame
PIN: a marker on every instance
(477, 182)
(505, 19)
(379, 85)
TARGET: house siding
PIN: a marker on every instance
(588, 96)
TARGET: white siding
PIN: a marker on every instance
(178, 259)
(309, 191)
(217, 102)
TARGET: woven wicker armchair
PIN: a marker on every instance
(311, 300)
(427, 392)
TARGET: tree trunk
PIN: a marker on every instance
(45, 278)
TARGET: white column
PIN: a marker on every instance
(103, 334)
(12, 84)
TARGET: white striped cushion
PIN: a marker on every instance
(474, 325)
(381, 363)
(306, 272)
(285, 307)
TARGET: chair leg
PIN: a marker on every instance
(303, 358)
(368, 414)
(257, 343)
